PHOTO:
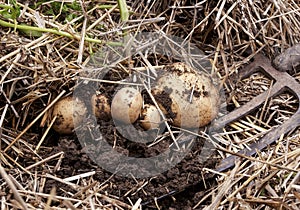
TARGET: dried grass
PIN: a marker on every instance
(37, 71)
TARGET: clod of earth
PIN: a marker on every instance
(100, 106)
(289, 60)
(70, 112)
(186, 96)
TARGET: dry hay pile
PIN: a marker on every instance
(39, 65)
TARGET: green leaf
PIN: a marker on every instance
(6, 14)
(16, 11)
(10, 12)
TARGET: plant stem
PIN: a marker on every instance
(47, 30)
(5, 6)
(123, 10)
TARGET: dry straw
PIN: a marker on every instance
(42, 54)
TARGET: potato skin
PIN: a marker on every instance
(70, 112)
(126, 105)
(187, 97)
(150, 117)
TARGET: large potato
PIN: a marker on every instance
(187, 97)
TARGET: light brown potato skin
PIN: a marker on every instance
(126, 105)
(69, 112)
(193, 99)
(150, 117)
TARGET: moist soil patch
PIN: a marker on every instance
(184, 178)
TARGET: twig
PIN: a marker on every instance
(44, 160)
(254, 159)
(83, 33)
(12, 187)
(45, 134)
(35, 120)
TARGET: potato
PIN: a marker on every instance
(126, 105)
(150, 117)
(70, 112)
(100, 106)
(189, 98)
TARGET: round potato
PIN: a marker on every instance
(126, 105)
(187, 97)
(150, 117)
(70, 112)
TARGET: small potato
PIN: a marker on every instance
(100, 106)
(70, 112)
(126, 105)
(150, 117)
(189, 98)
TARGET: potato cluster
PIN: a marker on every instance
(187, 98)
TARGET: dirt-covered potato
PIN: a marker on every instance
(150, 117)
(126, 105)
(187, 97)
(100, 106)
(70, 112)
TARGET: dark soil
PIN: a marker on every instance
(185, 178)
